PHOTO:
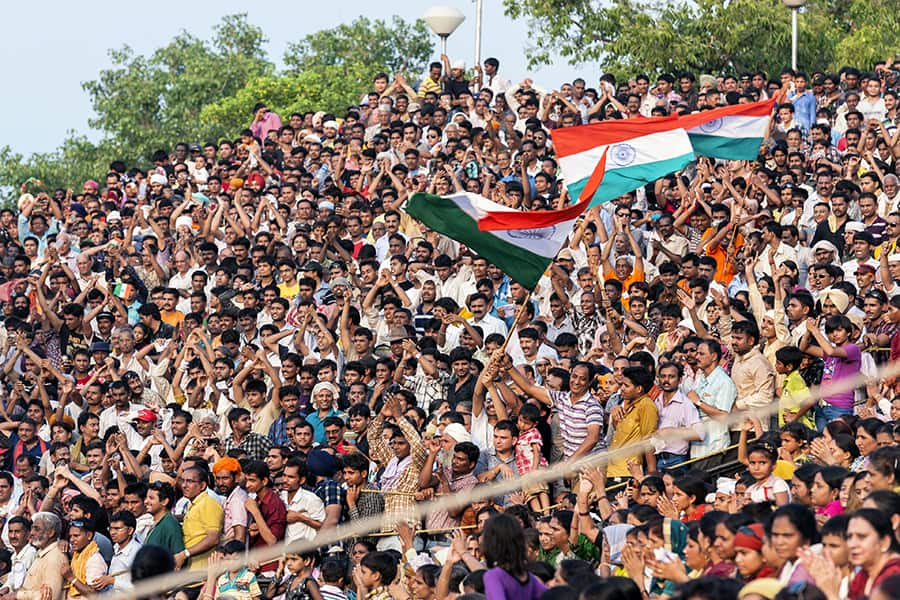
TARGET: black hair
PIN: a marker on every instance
(836, 525)
(640, 377)
(801, 518)
(881, 523)
(503, 544)
(612, 588)
(382, 563)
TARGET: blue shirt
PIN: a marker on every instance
(805, 109)
(716, 390)
(25, 231)
(318, 424)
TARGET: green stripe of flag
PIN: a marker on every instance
(622, 180)
(444, 216)
(728, 148)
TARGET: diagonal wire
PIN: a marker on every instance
(170, 581)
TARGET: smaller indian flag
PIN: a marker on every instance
(636, 151)
(122, 290)
(523, 254)
(732, 132)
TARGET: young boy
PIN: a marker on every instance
(834, 548)
(376, 571)
(333, 580)
(237, 582)
(794, 404)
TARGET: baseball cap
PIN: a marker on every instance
(146, 415)
(100, 347)
(312, 265)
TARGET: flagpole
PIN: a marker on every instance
(519, 312)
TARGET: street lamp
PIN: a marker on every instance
(443, 21)
(795, 6)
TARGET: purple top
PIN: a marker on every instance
(500, 585)
(837, 368)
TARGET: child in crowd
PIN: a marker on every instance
(794, 405)
(766, 487)
(301, 579)
(237, 582)
(825, 491)
(529, 456)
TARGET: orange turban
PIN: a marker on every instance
(226, 464)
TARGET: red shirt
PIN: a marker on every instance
(857, 589)
(275, 515)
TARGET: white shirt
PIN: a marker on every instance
(21, 562)
(490, 324)
(120, 566)
(112, 417)
(306, 502)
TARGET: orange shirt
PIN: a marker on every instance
(636, 275)
(724, 268)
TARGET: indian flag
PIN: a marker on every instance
(639, 151)
(523, 254)
(732, 132)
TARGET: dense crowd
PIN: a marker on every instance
(250, 342)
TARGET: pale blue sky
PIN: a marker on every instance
(49, 47)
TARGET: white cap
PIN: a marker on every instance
(459, 64)
(158, 178)
(687, 323)
(332, 124)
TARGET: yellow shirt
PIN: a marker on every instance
(429, 85)
(289, 292)
(203, 515)
(638, 423)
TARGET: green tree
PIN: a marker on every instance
(320, 89)
(393, 47)
(630, 36)
(194, 89)
(329, 70)
(74, 162)
(143, 103)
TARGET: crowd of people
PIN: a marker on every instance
(250, 343)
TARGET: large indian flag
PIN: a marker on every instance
(523, 254)
(639, 151)
(732, 132)
(602, 161)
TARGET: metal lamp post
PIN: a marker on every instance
(795, 6)
(443, 21)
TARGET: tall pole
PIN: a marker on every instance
(444, 45)
(794, 39)
(478, 32)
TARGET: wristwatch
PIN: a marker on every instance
(187, 553)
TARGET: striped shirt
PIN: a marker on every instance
(575, 418)
(399, 476)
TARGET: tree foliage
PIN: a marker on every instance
(627, 37)
(393, 47)
(195, 89)
(75, 161)
(145, 102)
